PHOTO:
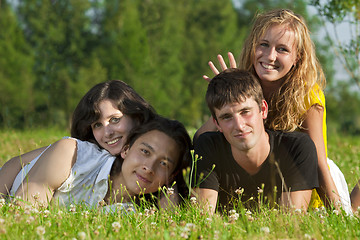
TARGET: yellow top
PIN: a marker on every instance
(317, 97)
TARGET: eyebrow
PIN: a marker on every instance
(240, 110)
(267, 41)
(153, 150)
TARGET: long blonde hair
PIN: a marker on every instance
(287, 105)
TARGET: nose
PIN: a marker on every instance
(149, 166)
(271, 54)
(109, 132)
(239, 123)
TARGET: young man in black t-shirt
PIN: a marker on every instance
(249, 160)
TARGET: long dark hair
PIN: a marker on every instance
(125, 98)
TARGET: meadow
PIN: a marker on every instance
(185, 222)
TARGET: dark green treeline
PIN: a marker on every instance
(53, 51)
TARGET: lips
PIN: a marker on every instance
(242, 135)
(142, 178)
(268, 66)
(114, 141)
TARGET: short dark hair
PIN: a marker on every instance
(124, 97)
(232, 85)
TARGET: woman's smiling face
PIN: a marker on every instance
(275, 53)
(112, 128)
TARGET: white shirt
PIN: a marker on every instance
(88, 179)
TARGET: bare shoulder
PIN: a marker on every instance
(62, 152)
(49, 172)
(56, 162)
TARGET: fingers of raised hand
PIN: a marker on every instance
(213, 68)
(206, 78)
(222, 62)
(232, 60)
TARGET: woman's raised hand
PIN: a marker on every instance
(222, 65)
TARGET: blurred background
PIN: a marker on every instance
(53, 51)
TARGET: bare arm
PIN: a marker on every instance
(355, 197)
(12, 167)
(209, 126)
(49, 172)
(296, 199)
(313, 125)
(207, 199)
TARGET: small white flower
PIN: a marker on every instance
(152, 211)
(46, 213)
(184, 235)
(265, 230)
(233, 217)
(116, 226)
(189, 227)
(34, 210)
(2, 221)
(336, 212)
(250, 218)
(307, 236)
(233, 211)
(30, 219)
(216, 234)
(81, 235)
(170, 191)
(72, 208)
(239, 191)
(40, 230)
(298, 210)
(2, 202)
(36, 195)
(193, 200)
(248, 212)
(146, 212)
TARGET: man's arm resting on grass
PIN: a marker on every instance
(207, 198)
(49, 173)
(355, 197)
(296, 200)
(11, 168)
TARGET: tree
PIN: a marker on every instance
(17, 77)
(211, 28)
(57, 32)
(338, 12)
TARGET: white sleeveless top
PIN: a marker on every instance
(88, 179)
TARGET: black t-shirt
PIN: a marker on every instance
(294, 153)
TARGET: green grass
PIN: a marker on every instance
(14, 142)
(188, 221)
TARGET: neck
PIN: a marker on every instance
(252, 159)
(117, 192)
(270, 87)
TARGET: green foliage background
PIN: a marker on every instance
(54, 51)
